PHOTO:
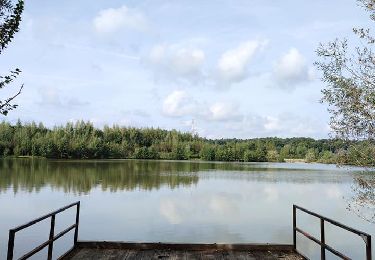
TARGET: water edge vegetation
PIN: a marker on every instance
(81, 140)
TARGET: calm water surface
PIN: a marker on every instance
(162, 201)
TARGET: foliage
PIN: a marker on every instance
(349, 75)
(350, 86)
(10, 18)
(81, 140)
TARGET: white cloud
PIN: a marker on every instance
(291, 69)
(51, 96)
(178, 103)
(224, 111)
(113, 19)
(177, 62)
(157, 54)
(289, 124)
(233, 64)
(74, 102)
(272, 123)
(281, 125)
(188, 61)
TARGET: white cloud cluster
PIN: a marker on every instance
(179, 103)
(233, 64)
(176, 61)
(113, 19)
(223, 111)
(51, 97)
(272, 123)
(291, 69)
(282, 125)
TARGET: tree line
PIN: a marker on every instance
(81, 140)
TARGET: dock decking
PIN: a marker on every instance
(129, 250)
(118, 250)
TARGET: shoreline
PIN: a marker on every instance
(294, 161)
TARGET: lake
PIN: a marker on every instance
(178, 201)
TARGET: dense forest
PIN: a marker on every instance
(81, 140)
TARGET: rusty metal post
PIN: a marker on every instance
(77, 223)
(322, 240)
(294, 228)
(368, 248)
(11, 244)
(51, 235)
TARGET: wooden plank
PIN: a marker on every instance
(172, 251)
(129, 254)
(101, 254)
(180, 246)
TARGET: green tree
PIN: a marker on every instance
(327, 157)
(349, 75)
(272, 156)
(310, 155)
(81, 140)
(207, 153)
(180, 152)
(10, 18)
(250, 156)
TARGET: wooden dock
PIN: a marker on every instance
(101, 250)
(120, 250)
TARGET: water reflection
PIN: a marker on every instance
(362, 203)
(222, 205)
(83, 176)
(180, 201)
(113, 175)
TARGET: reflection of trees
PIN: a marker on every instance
(363, 201)
(82, 176)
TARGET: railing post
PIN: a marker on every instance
(322, 240)
(77, 224)
(51, 235)
(294, 228)
(11, 244)
(368, 248)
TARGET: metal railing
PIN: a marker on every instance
(52, 237)
(323, 246)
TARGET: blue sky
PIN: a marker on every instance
(237, 68)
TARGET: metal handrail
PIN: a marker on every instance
(323, 246)
(52, 237)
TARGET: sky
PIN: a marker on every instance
(230, 69)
